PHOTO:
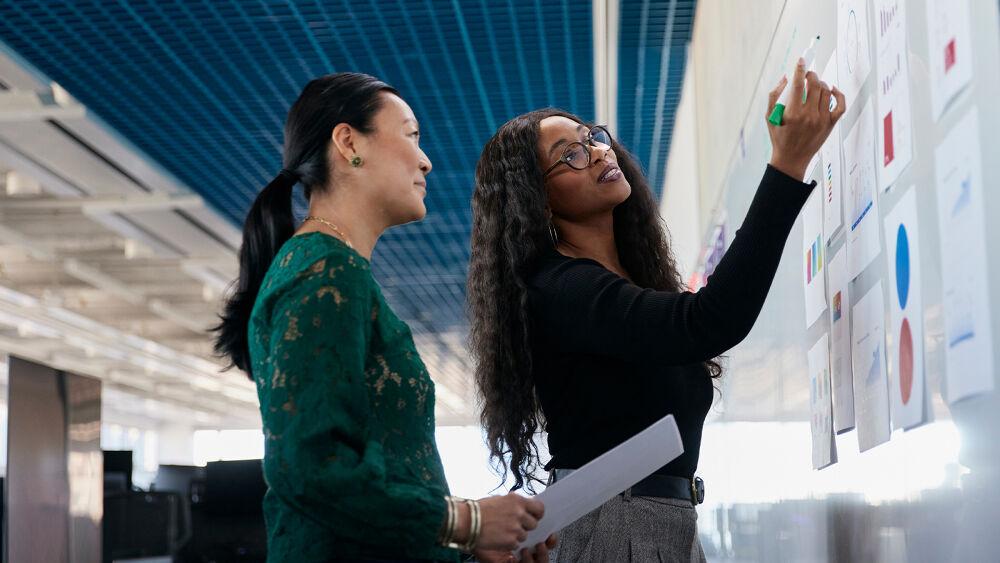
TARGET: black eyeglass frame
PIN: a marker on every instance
(589, 141)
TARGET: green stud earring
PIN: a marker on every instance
(356, 161)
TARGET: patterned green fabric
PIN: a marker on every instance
(348, 408)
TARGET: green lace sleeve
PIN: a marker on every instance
(320, 458)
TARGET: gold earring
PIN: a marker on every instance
(356, 161)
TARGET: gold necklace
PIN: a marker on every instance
(336, 229)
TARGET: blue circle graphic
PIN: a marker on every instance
(902, 266)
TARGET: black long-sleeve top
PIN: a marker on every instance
(610, 358)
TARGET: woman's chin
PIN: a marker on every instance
(417, 212)
(622, 191)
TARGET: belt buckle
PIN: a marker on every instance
(697, 491)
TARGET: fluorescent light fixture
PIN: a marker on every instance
(17, 298)
(18, 184)
(27, 328)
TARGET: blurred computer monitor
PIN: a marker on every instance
(117, 470)
(234, 487)
(178, 479)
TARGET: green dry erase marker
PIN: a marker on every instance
(779, 108)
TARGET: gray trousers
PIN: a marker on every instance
(628, 528)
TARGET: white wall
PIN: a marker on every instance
(679, 205)
(176, 444)
(729, 46)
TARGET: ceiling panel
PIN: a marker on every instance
(202, 89)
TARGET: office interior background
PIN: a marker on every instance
(134, 136)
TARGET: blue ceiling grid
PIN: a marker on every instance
(652, 54)
(203, 87)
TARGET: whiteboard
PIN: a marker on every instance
(767, 375)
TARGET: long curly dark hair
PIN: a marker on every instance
(509, 231)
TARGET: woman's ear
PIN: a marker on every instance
(343, 138)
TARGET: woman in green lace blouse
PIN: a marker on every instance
(350, 461)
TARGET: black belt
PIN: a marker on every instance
(661, 486)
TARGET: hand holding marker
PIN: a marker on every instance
(800, 128)
(779, 109)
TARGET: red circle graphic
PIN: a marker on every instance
(905, 361)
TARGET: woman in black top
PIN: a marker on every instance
(579, 317)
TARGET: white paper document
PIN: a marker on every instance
(811, 169)
(950, 51)
(824, 449)
(871, 393)
(607, 475)
(842, 375)
(863, 240)
(833, 176)
(853, 52)
(966, 290)
(906, 356)
(895, 130)
(814, 258)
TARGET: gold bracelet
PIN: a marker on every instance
(453, 527)
(456, 513)
(474, 524)
(448, 534)
(475, 527)
(443, 534)
(454, 519)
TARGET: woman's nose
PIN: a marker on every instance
(598, 153)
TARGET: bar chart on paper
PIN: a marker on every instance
(814, 257)
(895, 136)
(950, 51)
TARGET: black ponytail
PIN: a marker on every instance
(344, 97)
(269, 225)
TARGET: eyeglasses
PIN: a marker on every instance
(576, 155)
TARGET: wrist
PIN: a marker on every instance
(455, 527)
(792, 169)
